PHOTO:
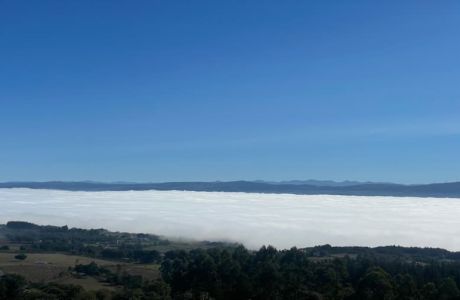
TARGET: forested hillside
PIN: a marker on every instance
(218, 271)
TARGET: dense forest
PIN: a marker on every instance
(226, 271)
(302, 274)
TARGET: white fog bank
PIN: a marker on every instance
(252, 219)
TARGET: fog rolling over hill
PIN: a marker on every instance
(253, 219)
(451, 189)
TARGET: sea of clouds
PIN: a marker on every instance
(253, 219)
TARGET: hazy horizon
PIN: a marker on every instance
(239, 179)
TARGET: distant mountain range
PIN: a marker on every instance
(317, 182)
(310, 187)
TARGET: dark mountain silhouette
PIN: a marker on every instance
(317, 182)
(451, 189)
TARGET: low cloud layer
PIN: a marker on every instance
(252, 219)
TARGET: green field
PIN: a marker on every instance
(54, 267)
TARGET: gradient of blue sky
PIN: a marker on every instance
(224, 90)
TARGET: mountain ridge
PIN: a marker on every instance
(440, 190)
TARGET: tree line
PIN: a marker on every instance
(268, 273)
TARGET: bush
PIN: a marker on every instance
(21, 256)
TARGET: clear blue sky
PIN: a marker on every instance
(225, 90)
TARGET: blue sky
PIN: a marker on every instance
(226, 90)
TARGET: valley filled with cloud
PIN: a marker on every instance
(281, 220)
